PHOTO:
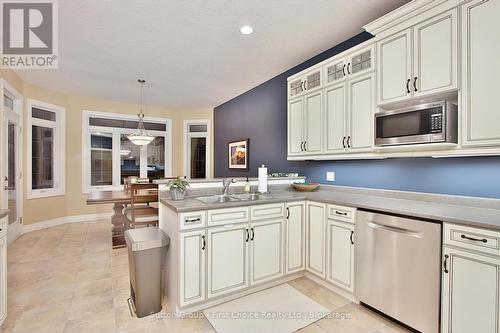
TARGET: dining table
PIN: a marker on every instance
(120, 199)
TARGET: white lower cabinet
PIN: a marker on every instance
(192, 267)
(340, 254)
(3, 278)
(227, 250)
(471, 291)
(315, 248)
(266, 250)
(295, 237)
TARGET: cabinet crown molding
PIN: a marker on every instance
(401, 14)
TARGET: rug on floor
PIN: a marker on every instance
(281, 309)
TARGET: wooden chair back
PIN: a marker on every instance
(143, 193)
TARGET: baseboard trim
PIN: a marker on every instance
(63, 220)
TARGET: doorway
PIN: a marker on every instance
(11, 152)
(197, 149)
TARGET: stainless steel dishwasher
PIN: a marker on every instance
(398, 268)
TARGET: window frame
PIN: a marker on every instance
(187, 146)
(59, 127)
(116, 132)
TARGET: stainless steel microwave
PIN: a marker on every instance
(425, 123)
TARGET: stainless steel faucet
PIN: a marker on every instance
(226, 182)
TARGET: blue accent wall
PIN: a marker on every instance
(260, 115)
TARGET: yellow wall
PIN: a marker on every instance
(74, 202)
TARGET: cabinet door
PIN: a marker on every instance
(336, 71)
(435, 55)
(361, 110)
(295, 87)
(227, 259)
(192, 267)
(313, 80)
(266, 250)
(340, 254)
(481, 70)
(295, 127)
(295, 237)
(316, 219)
(361, 61)
(313, 126)
(394, 67)
(335, 118)
(3, 278)
(470, 293)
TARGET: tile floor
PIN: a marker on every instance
(67, 279)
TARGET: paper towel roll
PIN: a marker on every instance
(262, 179)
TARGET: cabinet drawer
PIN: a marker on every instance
(341, 213)
(263, 212)
(4, 221)
(193, 220)
(487, 241)
(228, 216)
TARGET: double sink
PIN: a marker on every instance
(222, 198)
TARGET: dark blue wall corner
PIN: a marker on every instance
(260, 115)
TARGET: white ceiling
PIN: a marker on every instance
(191, 51)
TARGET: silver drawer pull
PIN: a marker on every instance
(384, 227)
(484, 240)
(192, 220)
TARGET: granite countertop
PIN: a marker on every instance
(453, 211)
(3, 212)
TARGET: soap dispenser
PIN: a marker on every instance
(247, 186)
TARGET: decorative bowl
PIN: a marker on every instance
(305, 187)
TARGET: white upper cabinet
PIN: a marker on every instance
(435, 55)
(305, 135)
(313, 137)
(296, 127)
(480, 62)
(335, 118)
(310, 81)
(350, 65)
(394, 69)
(361, 109)
(419, 61)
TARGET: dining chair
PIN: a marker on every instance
(140, 213)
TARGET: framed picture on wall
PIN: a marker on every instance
(238, 154)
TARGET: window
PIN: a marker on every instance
(45, 149)
(196, 149)
(110, 157)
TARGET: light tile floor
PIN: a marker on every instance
(68, 279)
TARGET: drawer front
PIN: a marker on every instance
(264, 212)
(4, 221)
(341, 213)
(228, 216)
(193, 220)
(487, 241)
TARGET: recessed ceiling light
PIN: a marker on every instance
(246, 30)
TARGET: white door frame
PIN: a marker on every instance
(13, 116)
(187, 146)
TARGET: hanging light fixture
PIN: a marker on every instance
(141, 137)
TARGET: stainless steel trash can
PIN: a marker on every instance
(146, 247)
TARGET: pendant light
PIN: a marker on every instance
(141, 137)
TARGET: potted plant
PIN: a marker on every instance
(177, 188)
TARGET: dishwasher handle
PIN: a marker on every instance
(398, 230)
